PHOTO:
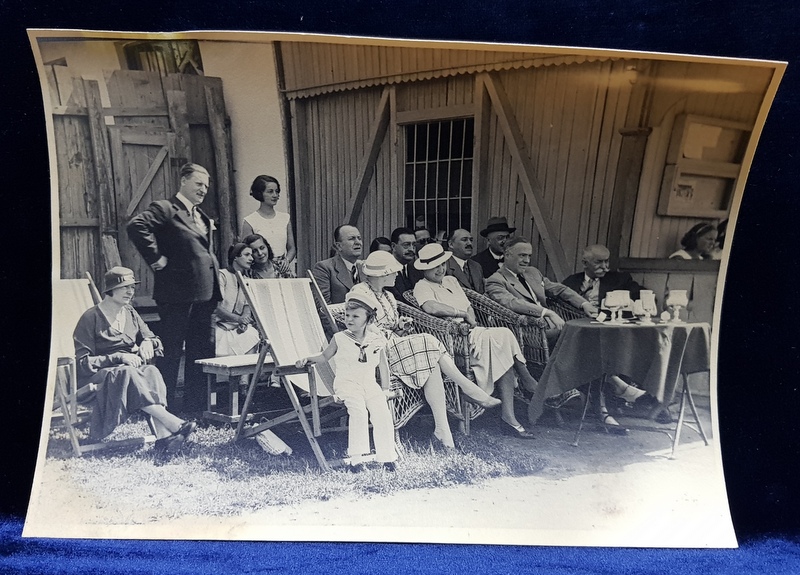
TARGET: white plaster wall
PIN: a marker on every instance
(251, 98)
(86, 59)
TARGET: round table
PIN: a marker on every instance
(655, 356)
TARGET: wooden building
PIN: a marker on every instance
(572, 149)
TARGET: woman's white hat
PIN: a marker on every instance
(431, 256)
(379, 264)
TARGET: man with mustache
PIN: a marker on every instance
(469, 273)
(404, 251)
(175, 239)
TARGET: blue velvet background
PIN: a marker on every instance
(759, 360)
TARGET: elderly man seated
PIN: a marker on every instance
(522, 288)
(596, 280)
(338, 274)
(469, 273)
(593, 283)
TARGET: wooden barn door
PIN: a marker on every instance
(117, 160)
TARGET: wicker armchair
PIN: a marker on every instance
(530, 331)
(565, 310)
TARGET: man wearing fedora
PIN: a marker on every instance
(175, 239)
(496, 232)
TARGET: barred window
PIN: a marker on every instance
(438, 174)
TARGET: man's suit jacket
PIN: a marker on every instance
(504, 288)
(487, 261)
(609, 282)
(406, 280)
(333, 278)
(471, 277)
(167, 229)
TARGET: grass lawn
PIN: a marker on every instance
(212, 476)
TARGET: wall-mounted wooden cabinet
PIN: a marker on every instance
(703, 166)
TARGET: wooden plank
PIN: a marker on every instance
(138, 137)
(527, 174)
(626, 189)
(145, 183)
(367, 164)
(70, 110)
(480, 151)
(226, 197)
(448, 112)
(299, 158)
(110, 251)
(394, 171)
(179, 123)
(77, 222)
(102, 157)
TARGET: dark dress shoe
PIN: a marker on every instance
(169, 445)
(186, 429)
(357, 468)
(516, 431)
(612, 426)
(390, 466)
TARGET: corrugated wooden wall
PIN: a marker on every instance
(570, 118)
(569, 112)
(331, 136)
(724, 92)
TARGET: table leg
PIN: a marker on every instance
(694, 410)
(681, 414)
(210, 387)
(583, 415)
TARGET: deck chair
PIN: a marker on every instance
(71, 298)
(290, 327)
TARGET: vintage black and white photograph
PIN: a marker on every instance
(316, 288)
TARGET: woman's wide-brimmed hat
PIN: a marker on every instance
(363, 298)
(431, 256)
(116, 277)
(379, 264)
(497, 224)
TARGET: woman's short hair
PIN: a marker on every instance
(234, 252)
(259, 186)
(378, 242)
(689, 239)
(252, 238)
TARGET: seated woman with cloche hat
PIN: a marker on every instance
(113, 351)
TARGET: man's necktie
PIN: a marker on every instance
(198, 221)
(465, 269)
(354, 274)
(527, 287)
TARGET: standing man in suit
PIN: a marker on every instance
(337, 274)
(523, 289)
(497, 232)
(175, 239)
(404, 251)
(596, 280)
(469, 273)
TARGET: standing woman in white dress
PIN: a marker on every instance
(274, 226)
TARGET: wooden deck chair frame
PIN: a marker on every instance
(285, 370)
(67, 394)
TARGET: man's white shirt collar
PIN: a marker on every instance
(185, 201)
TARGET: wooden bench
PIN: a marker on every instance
(225, 375)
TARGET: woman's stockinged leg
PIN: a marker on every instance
(505, 386)
(525, 377)
(449, 368)
(434, 395)
(163, 417)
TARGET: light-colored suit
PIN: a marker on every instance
(504, 287)
(333, 278)
(471, 277)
